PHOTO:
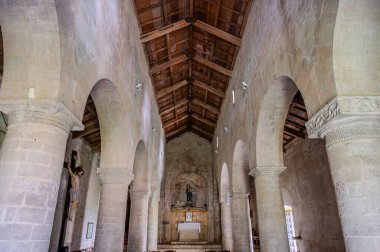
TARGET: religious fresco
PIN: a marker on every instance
(189, 189)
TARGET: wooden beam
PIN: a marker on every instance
(201, 130)
(168, 124)
(170, 63)
(164, 30)
(209, 88)
(85, 132)
(217, 32)
(173, 132)
(212, 65)
(204, 120)
(294, 132)
(165, 91)
(176, 105)
(206, 106)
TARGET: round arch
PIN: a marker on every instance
(141, 171)
(224, 183)
(271, 121)
(113, 125)
(240, 169)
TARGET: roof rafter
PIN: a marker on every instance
(165, 91)
(206, 106)
(170, 63)
(217, 32)
(209, 88)
(164, 30)
(176, 105)
(212, 65)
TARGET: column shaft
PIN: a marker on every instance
(355, 170)
(227, 228)
(31, 161)
(242, 232)
(111, 218)
(153, 225)
(138, 223)
(271, 215)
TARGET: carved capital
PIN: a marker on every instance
(41, 111)
(267, 171)
(341, 107)
(115, 175)
(350, 128)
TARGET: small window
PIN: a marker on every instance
(290, 228)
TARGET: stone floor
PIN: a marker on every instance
(190, 247)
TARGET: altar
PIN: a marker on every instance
(188, 231)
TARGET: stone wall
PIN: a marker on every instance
(187, 157)
(308, 188)
(92, 205)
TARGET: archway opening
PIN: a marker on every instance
(139, 195)
(240, 203)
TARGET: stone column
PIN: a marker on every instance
(112, 209)
(31, 161)
(351, 128)
(153, 223)
(138, 222)
(270, 209)
(227, 226)
(241, 223)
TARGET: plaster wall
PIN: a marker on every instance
(308, 188)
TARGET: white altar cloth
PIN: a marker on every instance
(188, 231)
(189, 226)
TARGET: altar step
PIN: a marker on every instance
(194, 247)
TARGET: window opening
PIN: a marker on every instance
(290, 228)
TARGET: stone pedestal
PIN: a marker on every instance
(112, 209)
(270, 209)
(138, 222)
(351, 128)
(227, 228)
(153, 224)
(31, 161)
(242, 232)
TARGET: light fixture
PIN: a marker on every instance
(31, 93)
(154, 130)
(139, 87)
(233, 96)
(244, 85)
(226, 129)
(216, 152)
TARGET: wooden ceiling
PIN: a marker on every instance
(295, 121)
(91, 132)
(191, 47)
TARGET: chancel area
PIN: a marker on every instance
(190, 126)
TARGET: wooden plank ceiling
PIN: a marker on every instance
(91, 132)
(191, 47)
(295, 121)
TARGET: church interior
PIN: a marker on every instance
(190, 126)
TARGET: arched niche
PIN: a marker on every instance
(198, 187)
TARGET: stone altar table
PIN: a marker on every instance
(189, 231)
